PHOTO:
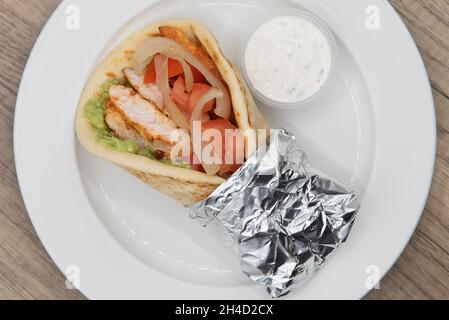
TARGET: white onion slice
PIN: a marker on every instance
(177, 115)
(188, 75)
(161, 66)
(174, 50)
(197, 115)
(212, 169)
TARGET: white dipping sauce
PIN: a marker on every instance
(288, 59)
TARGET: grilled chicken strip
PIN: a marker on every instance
(132, 117)
(196, 49)
(148, 91)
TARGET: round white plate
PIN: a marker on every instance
(374, 131)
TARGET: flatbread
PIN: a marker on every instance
(184, 185)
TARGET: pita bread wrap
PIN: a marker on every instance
(187, 186)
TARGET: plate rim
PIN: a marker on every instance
(18, 160)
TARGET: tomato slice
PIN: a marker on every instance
(150, 74)
(198, 90)
(174, 69)
(197, 76)
(186, 101)
(236, 150)
(179, 94)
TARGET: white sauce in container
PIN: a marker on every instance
(288, 59)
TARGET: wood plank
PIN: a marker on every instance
(26, 270)
(423, 269)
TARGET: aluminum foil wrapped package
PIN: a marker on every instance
(283, 219)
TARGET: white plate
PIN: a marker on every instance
(374, 131)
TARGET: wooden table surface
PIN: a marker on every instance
(27, 272)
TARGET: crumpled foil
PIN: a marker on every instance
(283, 219)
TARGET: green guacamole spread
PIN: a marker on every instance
(95, 110)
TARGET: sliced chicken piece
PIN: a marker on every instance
(148, 91)
(132, 117)
(118, 124)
